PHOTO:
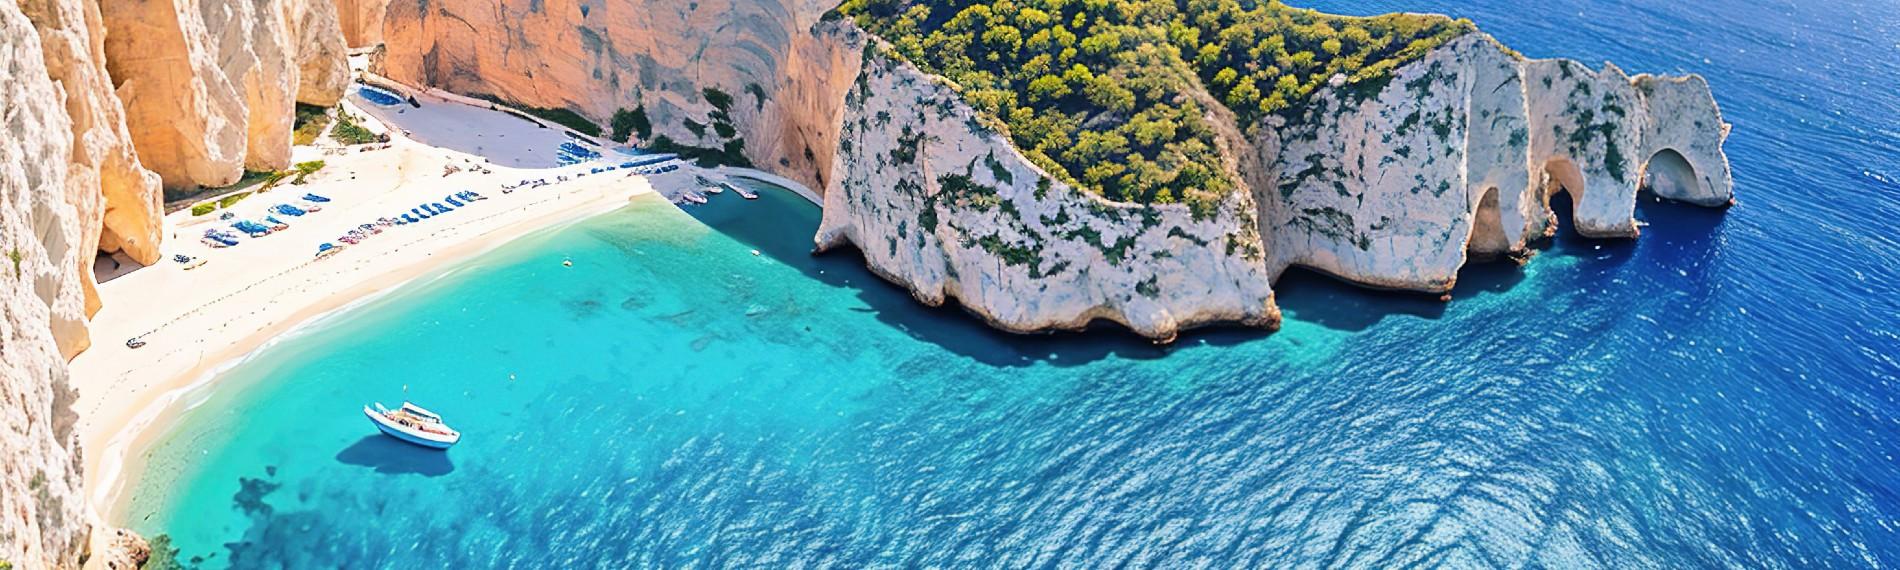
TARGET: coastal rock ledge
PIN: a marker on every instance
(1391, 181)
(1460, 155)
(1456, 157)
(939, 201)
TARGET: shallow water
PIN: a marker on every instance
(1719, 392)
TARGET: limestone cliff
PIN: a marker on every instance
(209, 85)
(656, 57)
(42, 513)
(361, 21)
(94, 92)
(116, 199)
(1393, 182)
(938, 201)
(1461, 152)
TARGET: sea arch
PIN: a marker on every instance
(1487, 238)
(1561, 176)
(1670, 174)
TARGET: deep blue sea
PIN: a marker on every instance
(1719, 393)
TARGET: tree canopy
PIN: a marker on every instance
(1100, 92)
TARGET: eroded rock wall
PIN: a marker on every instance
(941, 203)
(209, 85)
(1392, 185)
(1396, 185)
(361, 21)
(42, 512)
(116, 199)
(597, 57)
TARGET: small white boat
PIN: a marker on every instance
(694, 197)
(413, 424)
(744, 193)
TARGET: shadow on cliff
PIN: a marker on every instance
(391, 457)
(781, 225)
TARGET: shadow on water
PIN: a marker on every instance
(785, 233)
(391, 457)
(781, 225)
(1314, 297)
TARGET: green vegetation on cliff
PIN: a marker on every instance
(1111, 95)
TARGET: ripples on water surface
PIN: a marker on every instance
(1720, 392)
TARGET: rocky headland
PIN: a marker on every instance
(1390, 178)
(1161, 180)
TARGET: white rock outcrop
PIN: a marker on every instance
(1392, 184)
(209, 85)
(42, 512)
(116, 198)
(84, 111)
(1459, 155)
(939, 202)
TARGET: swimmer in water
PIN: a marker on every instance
(567, 263)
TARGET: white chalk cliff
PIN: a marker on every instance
(103, 103)
(1390, 185)
(42, 512)
(1461, 153)
(940, 202)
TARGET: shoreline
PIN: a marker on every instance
(159, 407)
(201, 323)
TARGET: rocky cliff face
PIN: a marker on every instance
(1461, 153)
(42, 514)
(1394, 184)
(116, 199)
(209, 85)
(94, 93)
(362, 21)
(659, 57)
(940, 202)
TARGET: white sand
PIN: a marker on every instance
(196, 321)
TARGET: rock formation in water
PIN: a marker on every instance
(1462, 152)
(94, 93)
(1455, 156)
(938, 200)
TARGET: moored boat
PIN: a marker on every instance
(413, 424)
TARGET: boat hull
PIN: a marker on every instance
(397, 431)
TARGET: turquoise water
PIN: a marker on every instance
(1720, 392)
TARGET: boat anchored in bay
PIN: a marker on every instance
(413, 424)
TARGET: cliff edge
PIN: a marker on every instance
(1460, 154)
(106, 104)
(1432, 145)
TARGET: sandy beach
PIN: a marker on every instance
(197, 322)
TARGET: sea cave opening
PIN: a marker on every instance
(1670, 175)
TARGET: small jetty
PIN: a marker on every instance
(742, 192)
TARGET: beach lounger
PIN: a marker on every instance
(315, 198)
(452, 201)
